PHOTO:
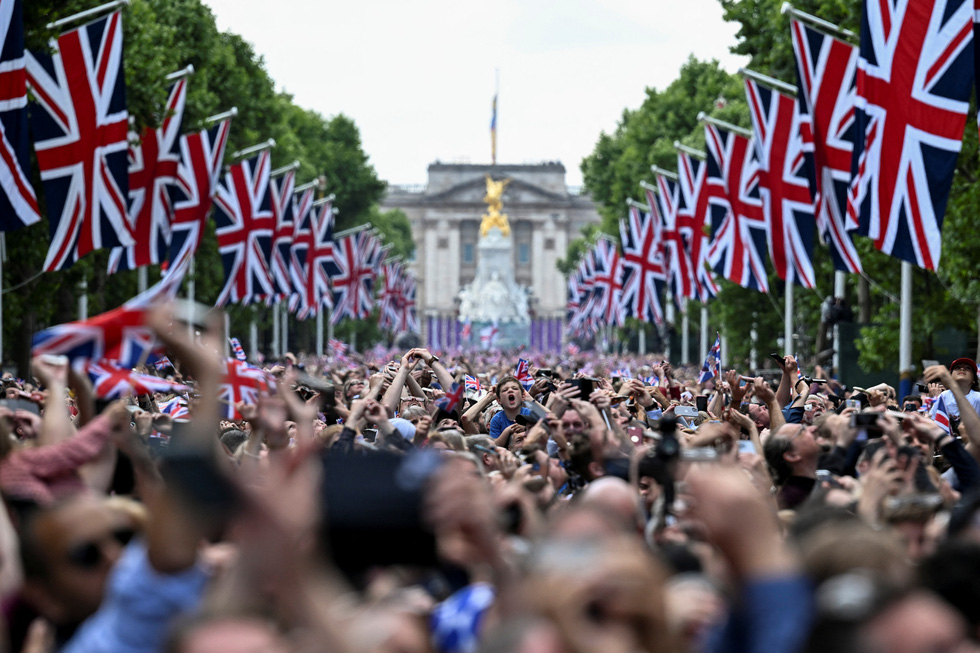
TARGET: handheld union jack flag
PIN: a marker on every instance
(607, 283)
(241, 382)
(694, 221)
(113, 382)
(283, 204)
(523, 373)
(941, 414)
(712, 362)
(784, 147)
(644, 276)
(176, 408)
(677, 258)
(338, 347)
(826, 71)
(236, 348)
(153, 168)
(472, 383)
(738, 225)
(451, 400)
(80, 125)
(913, 91)
(162, 364)
(243, 216)
(202, 154)
(18, 203)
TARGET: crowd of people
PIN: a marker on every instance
(489, 502)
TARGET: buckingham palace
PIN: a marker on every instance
(544, 216)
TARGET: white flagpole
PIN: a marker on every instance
(319, 333)
(670, 323)
(285, 332)
(253, 337)
(840, 279)
(141, 279)
(88, 13)
(788, 318)
(275, 329)
(766, 80)
(703, 117)
(819, 23)
(905, 327)
(642, 338)
(83, 300)
(704, 332)
(685, 338)
(227, 333)
(754, 353)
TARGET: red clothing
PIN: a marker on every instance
(43, 474)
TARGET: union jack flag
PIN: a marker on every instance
(408, 319)
(241, 382)
(826, 70)
(941, 415)
(338, 347)
(677, 258)
(298, 251)
(236, 348)
(176, 408)
(283, 204)
(202, 154)
(153, 168)
(357, 256)
(451, 400)
(913, 91)
(738, 225)
(784, 147)
(243, 216)
(162, 364)
(644, 276)
(113, 382)
(607, 283)
(712, 363)
(321, 259)
(472, 383)
(694, 221)
(390, 296)
(119, 335)
(18, 203)
(523, 373)
(81, 125)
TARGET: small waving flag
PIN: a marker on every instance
(712, 362)
(941, 416)
(113, 382)
(472, 383)
(523, 373)
(452, 398)
(236, 347)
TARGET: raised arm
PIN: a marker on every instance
(969, 420)
(56, 424)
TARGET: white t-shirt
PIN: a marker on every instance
(952, 409)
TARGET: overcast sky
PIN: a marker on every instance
(418, 76)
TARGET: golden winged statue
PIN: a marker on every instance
(493, 217)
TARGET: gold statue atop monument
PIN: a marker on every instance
(493, 217)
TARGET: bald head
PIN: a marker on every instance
(613, 496)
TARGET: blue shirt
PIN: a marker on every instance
(139, 606)
(500, 422)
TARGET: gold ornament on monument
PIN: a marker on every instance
(494, 200)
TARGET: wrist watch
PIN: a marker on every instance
(434, 359)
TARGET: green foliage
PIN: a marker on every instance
(160, 37)
(396, 230)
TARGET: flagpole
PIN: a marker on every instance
(253, 337)
(275, 329)
(83, 300)
(840, 279)
(285, 332)
(141, 279)
(818, 23)
(657, 170)
(180, 74)
(704, 331)
(261, 147)
(690, 151)
(88, 13)
(754, 352)
(766, 80)
(703, 117)
(190, 291)
(307, 186)
(227, 332)
(230, 113)
(278, 172)
(639, 205)
(905, 332)
(3, 255)
(642, 339)
(723, 354)
(670, 323)
(319, 333)
(788, 317)
(685, 338)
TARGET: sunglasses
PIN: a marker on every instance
(88, 555)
